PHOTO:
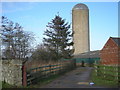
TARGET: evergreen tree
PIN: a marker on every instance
(59, 38)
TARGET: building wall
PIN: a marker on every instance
(80, 26)
(12, 72)
(110, 53)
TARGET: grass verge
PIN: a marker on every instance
(99, 81)
(6, 85)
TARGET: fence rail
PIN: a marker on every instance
(109, 73)
(34, 75)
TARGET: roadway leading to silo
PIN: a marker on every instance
(78, 78)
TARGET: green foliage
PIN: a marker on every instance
(6, 85)
(58, 38)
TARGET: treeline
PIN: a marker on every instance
(57, 42)
(15, 41)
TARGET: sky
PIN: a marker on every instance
(34, 16)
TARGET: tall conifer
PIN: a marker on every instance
(59, 38)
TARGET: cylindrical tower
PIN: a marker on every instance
(80, 26)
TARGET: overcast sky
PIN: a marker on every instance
(103, 18)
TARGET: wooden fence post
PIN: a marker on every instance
(24, 82)
(104, 72)
(117, 74)
(96, 70)
(50, 69)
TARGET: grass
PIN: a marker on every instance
(6, 85)
(100, 81)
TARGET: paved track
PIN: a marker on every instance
(78, 78)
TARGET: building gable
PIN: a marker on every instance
(109, 54)
(110, 44)
(116, 41)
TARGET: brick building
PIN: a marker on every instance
(110, 53)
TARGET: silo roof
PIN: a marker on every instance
(80, 6)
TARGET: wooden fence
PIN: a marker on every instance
(109, 73)
(34, 75)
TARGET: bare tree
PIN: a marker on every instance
(15, 41)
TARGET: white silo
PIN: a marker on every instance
(80, 26)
